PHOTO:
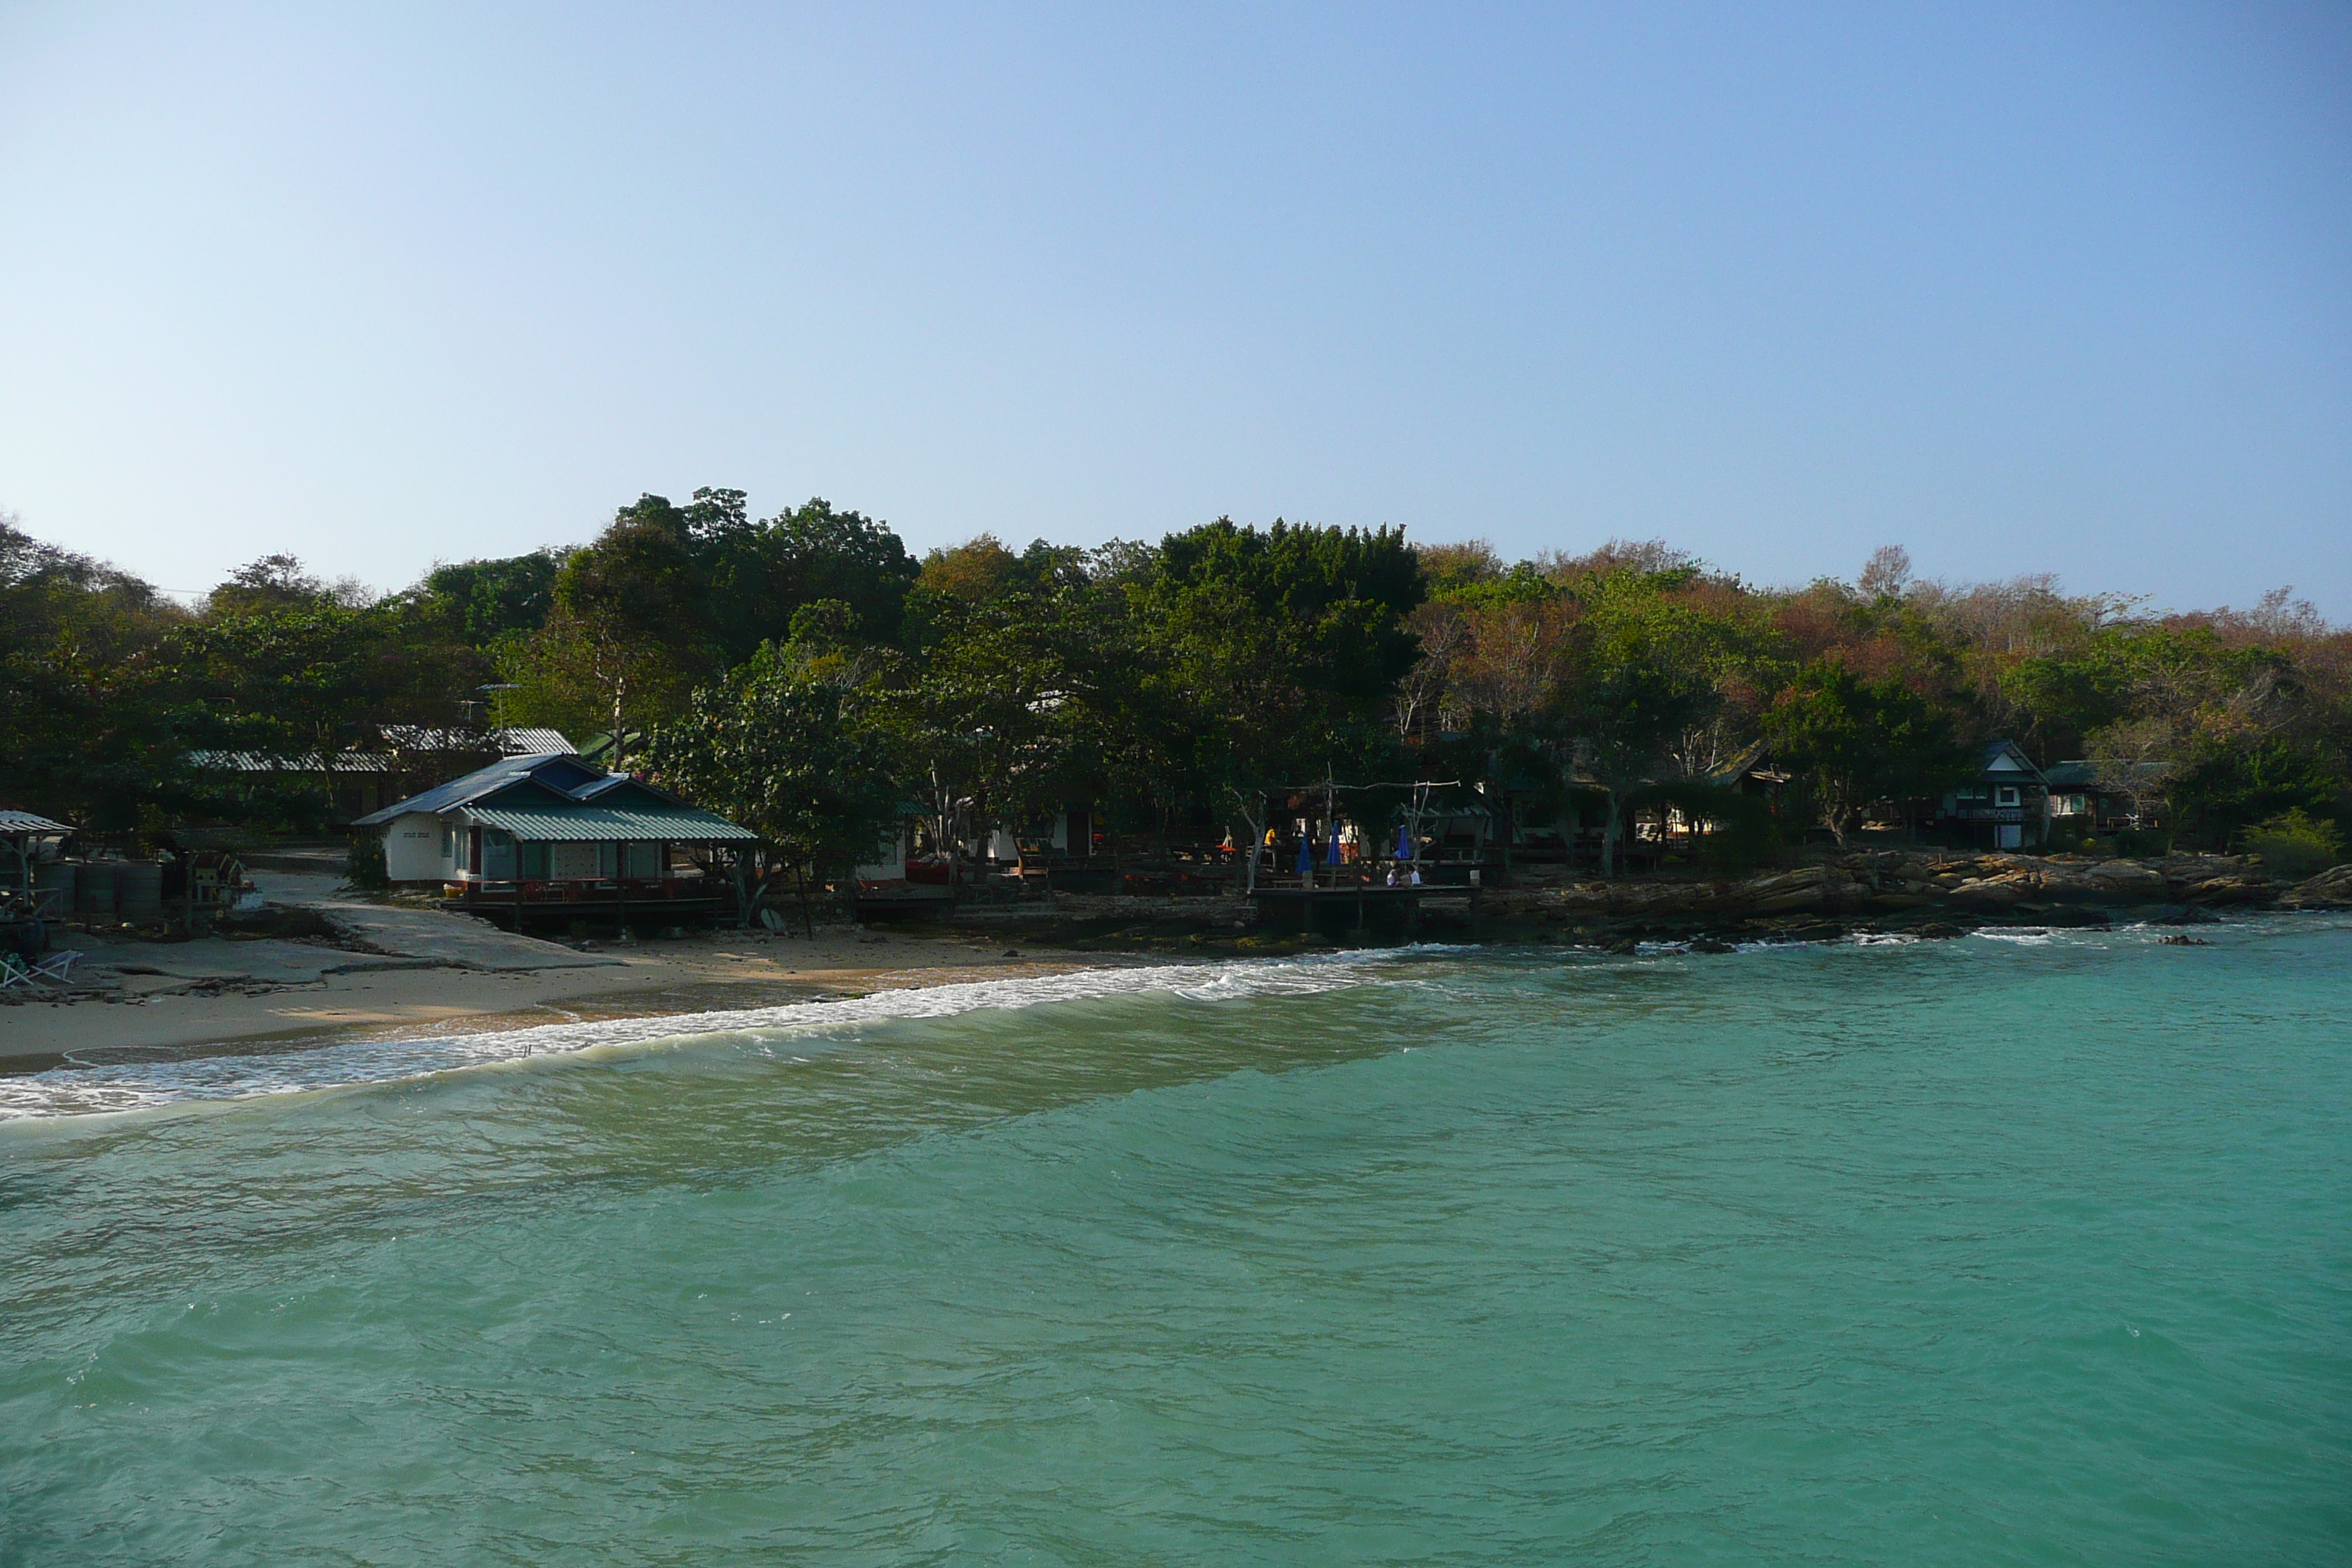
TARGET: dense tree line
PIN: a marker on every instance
(807, 675)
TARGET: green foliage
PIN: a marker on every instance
(2296, 844)
(1740, 832)
(485, 601)
(271, 583)
(2185, 675)
(759, 573)
(755, 657)
(1855, 739)
(364, 866)
(86, 731)
(796, 757)
(1642, 668)
(1009, 710)
(1276, 652)
(1521, 584)
(2228, 788)
(671, 597)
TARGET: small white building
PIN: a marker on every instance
(552, 830)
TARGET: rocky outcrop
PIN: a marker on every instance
(2331, 890)
(1913, 889)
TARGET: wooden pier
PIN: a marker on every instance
(1333, 908)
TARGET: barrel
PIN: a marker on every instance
(139, 891)
(94, 886)
(58, 876)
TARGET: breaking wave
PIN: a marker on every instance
(87, 1089)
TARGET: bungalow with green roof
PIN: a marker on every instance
(2092, 796)
(544, 835)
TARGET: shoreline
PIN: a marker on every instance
(157, 1019)
(463, 978)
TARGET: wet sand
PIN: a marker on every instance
(157, 1016)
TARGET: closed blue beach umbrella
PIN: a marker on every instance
(1331, 856)
(1404, 842)
(1306, 853)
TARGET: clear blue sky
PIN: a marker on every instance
(2055, 288)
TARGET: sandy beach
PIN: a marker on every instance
(153, 1015)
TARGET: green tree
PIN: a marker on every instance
(758, 574)
(628, 636)
(985, 729)
(1645, 665)
(1270, 657)
(669, 597)
(1856, 741)
(2229, 787)
(85, 729)
(786, 744)
(483, 602)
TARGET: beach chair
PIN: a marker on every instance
(56, 968)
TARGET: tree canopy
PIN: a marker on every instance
(800, 669)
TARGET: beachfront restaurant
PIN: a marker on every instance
(545, 840)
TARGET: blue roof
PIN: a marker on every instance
(554, 779)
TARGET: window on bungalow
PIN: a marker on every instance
(497, 854)
(534, 860)
(2005, 796)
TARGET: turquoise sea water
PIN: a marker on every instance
(1985, 1251)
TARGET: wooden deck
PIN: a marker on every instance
(668, 901)
(1354, 906)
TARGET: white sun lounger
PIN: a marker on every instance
(56, 968)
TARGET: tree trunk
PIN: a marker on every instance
(1256, 846)
(620, 692)
(1609, 832)
(800, 883)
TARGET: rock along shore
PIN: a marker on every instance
(1925, 891)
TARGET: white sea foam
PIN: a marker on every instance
(77, 1090)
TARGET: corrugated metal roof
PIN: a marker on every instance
(26, 822)
(555, 824)
(512, 745)
(559, 798)
(484, 781)
(302, 762)
(507, 742)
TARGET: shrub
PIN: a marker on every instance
(2296, 844)
(364, 867)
